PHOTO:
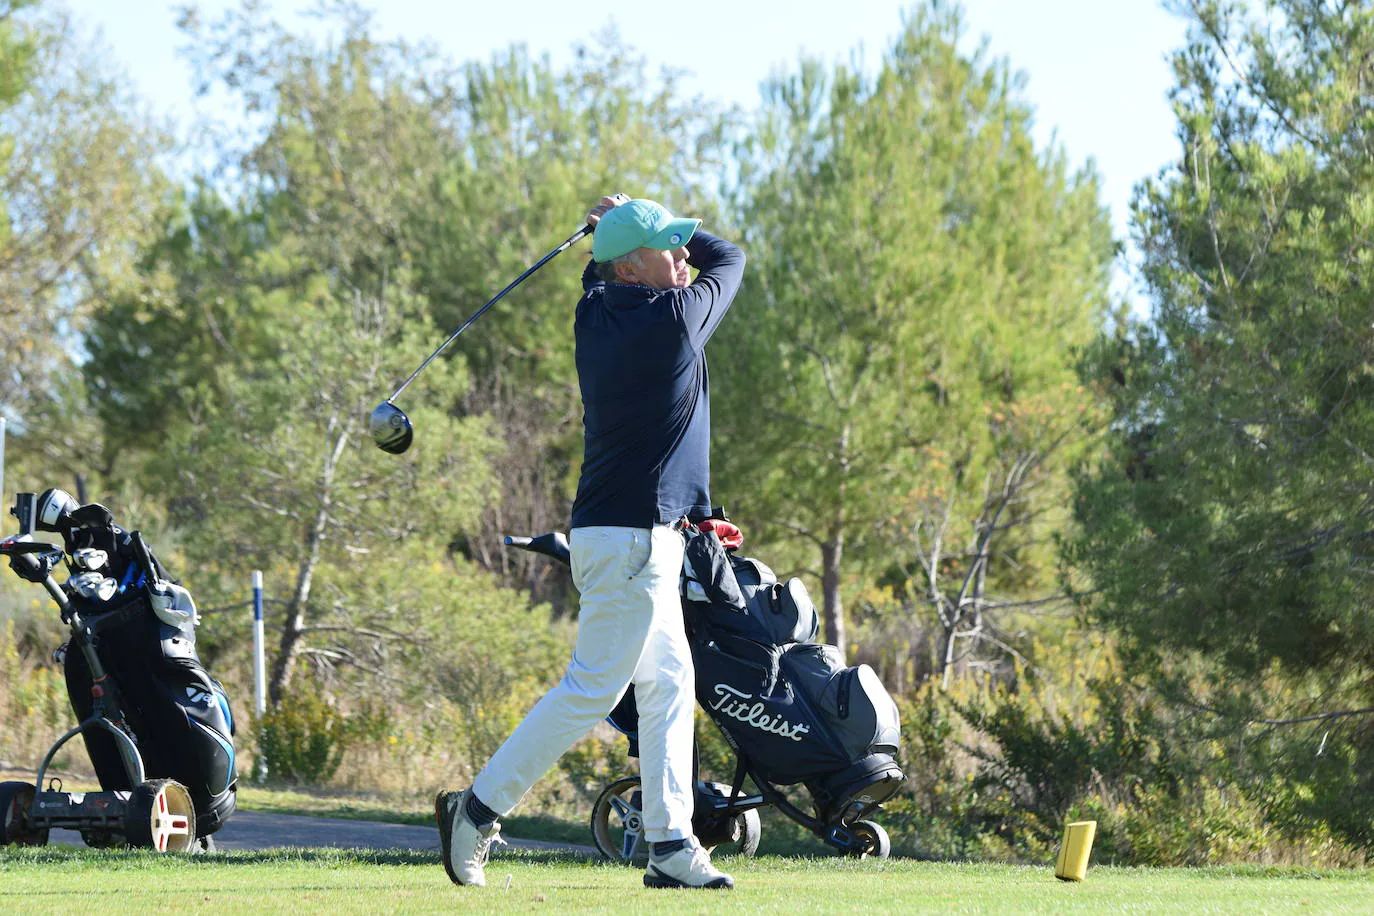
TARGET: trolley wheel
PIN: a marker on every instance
(870, 839)
(737, 836)
(749, 830)
(15, 800)
(161, 817)
(618, 822)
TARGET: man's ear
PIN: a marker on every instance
(626, 272)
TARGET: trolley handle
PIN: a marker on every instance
(34, 561)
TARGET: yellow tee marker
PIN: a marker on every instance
(1074, 851)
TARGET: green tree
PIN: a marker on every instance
(16, 70)
(537, 146)
(1228, 533)
(283, 473)
(236, 371)
(78, 174)
(919, 272)
(464, 175)
(385, 191)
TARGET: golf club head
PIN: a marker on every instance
(391, 428)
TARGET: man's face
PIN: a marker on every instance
(657, 269)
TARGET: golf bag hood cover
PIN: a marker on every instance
(710, 566)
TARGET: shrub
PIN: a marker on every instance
(33, 699)
(302, 740)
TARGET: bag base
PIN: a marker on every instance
(851, 794)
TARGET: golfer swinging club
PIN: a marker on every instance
(641, 329)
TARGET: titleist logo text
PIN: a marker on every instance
(736, 705)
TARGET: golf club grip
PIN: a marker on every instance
(151, 567)
(567, 243)
(553, 545)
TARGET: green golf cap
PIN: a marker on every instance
(639, 224)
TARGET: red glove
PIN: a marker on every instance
(728, 532)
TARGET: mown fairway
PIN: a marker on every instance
(334, 881)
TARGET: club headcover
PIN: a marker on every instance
(54, 510)
(731, 538)
(91, 515)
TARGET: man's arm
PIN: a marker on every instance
(704, 303)
(590, 277)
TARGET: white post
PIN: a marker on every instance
(259, 671)
(259, 667)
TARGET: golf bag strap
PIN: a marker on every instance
(696, 761)
(737, 783)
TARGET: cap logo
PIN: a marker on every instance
(675, 238)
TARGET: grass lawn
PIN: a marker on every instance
(334, 881)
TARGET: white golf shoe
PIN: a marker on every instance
(690, 866)
(465, 846)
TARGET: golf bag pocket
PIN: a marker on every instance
(794, 614)
(624, 718)
(760, 715)
(177, 642)
(207, 749)
(753, 665)
(754, 618)
(856, 708)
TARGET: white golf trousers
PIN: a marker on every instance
(629, 630)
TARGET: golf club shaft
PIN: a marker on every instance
(568, 243)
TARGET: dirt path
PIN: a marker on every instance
(253, 830)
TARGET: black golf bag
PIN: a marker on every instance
(178, 713)
(792, 709)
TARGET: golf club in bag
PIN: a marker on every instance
(792, 710)
(157, 726)
(390, 427)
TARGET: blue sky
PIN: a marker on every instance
(1097, 70)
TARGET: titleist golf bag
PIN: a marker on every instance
(144, 629)
(792, 709)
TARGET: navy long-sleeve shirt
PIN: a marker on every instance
(641, 364)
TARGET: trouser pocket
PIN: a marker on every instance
(640, 552)
(655, 553)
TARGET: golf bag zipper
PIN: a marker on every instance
(770, 675)
(842, 698)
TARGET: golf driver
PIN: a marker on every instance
(391, 428)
